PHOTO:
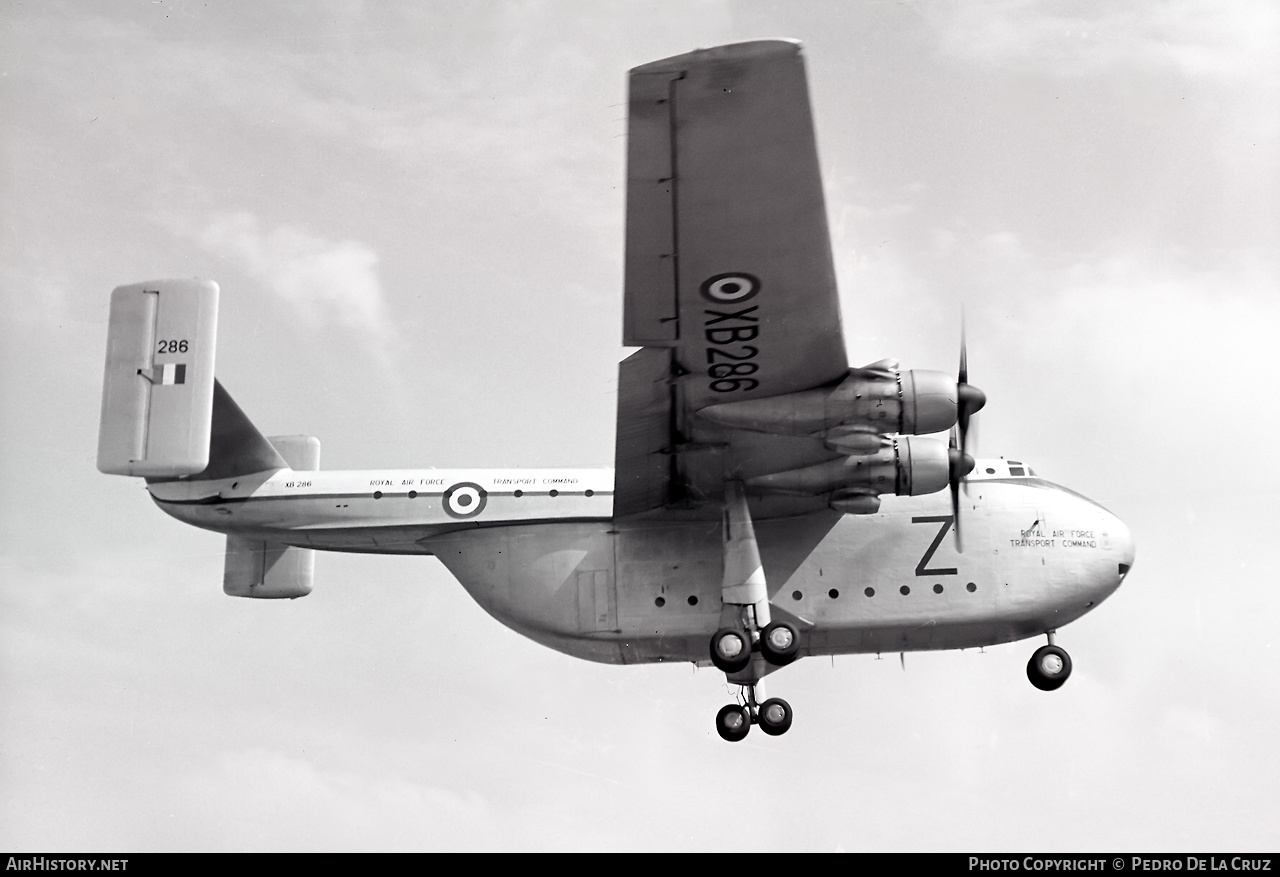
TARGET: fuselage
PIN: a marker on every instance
(541, 551)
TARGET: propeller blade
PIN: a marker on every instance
(973, 443)
(969, 399)
(959, 465)
(955, 510)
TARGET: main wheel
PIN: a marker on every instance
(1048, 668)
(733, 722)
(730, 649)
(780, 643)
(774, 716)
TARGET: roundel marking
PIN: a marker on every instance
(465, 500)
(730, 288)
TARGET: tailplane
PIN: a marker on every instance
(272, 570)
(166, 418)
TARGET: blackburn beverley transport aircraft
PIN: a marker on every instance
(768, 502)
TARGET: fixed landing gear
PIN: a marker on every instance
(733, 652)
(735, 720)
(749, 643)
(1049, 667)
(780, 643)
(731, 646)
(774, 716)
(731, 649)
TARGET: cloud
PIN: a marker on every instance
(322, 280)
(1233, 42)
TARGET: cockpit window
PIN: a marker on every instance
(1012, 468)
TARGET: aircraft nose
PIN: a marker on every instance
(1122, 538)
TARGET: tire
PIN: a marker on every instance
(731, 649)
(774, 716)
(733, 722)
(1048, 668)
(780, 643)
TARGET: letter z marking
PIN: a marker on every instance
(945, 521)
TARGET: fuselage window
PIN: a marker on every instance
(1017, 470)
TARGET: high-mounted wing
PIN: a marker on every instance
(730, 285)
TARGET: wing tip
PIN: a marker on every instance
(750, 50)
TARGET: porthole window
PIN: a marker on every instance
(991, 471)
(870, 592)
(413, 494)
(555, 493)
(833, 593)
(796, 595)
(660, 602)
(904, 590)
(591, 493)
(377, 494)
(693, 600)
(519, 493)
(937, 589)
(971, 587)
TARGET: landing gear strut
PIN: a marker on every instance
(1049, 667)
(749, 643)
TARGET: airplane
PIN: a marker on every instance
(768, 501)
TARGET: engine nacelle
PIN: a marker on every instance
(876, 400)
(907, 467)
(917, 402)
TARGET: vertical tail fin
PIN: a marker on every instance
(236, 447)
(158, 388)
(163, 413)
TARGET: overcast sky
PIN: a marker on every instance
(415, 214)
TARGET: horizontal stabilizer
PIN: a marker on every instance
(157, 391)
(267, 570)
(301, 452)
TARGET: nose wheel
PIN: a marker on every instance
(1049, 667)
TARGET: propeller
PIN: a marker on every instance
(959, 464)
(969, 401)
